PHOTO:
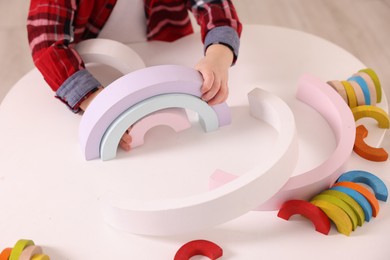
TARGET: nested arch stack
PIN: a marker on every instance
(349, 203)
(24, 249)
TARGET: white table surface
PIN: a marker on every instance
(49, 193)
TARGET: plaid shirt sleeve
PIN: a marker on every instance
(219, 23)
(53, 26)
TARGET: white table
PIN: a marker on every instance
(49, 193)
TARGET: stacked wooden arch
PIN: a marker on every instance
(362, 91)
(347, 203)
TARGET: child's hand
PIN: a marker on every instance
(126, 139)
(214, 68)
(125, 142)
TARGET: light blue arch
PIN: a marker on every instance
(207, 116)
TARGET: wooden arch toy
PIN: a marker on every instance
(4, 255)
(137, 87)
(337, 215)
(339, 88)
(375, 183)
(18, 248)
(359, 94)
(359, 198)
(111, 53)
(364, 87)
(332, 107)
(113, 134)
(342, 205)
(199, 247)
(366, 151)
(364, 191)
(207, 209)
(374, 112)
(159, 218)
(352, 99)
(371, 86)
(40, 257)
(350, 201)
(313, 213)
(371, 73)
(30, 251)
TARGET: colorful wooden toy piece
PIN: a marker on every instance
(29, 252)
(377, 83)
(176, 118)
(365, 192)
(339, 87)
(111, 53)
(20, 245)
(199, 247)
(350, 201)
(310, 211)
(112, 136)
(358, 93)
(40, 257)
(359, 198)
(133, 88)
(366, 151)
(207, 209)
(374, 112)
(375, 183)
(337, 215)
(371, 85)
(352, 99)
(341, 204)
(364, 87)
(4, 255)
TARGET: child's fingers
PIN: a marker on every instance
(208, 79)
(127, 138)
(125, 146)
(220, 96)
(125, 142)
(213, 90)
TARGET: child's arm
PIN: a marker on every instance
(214, 68)
(53, 27)
(220, 31)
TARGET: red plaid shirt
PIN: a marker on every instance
(55, 25)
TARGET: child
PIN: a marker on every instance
(55, 26)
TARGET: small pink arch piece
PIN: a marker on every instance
(219, 178)
(319, 219)
(176, 118)
(199, 247)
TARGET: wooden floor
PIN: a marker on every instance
(359, 26)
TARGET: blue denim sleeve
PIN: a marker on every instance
(223, 35)
(76, 87)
